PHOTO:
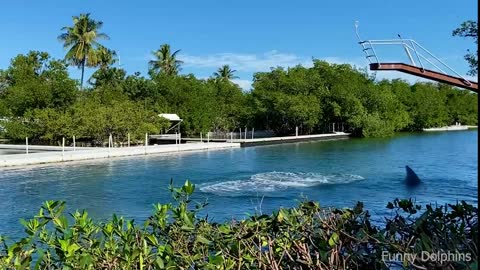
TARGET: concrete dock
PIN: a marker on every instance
(447, 128)
(291, 139)
(51, 154)
(275, 140)
(99, 153)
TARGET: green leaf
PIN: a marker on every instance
(333, 239)
(225, 229)
(186, 228)
(160, 263)
(202, 239)
(283, 215)
(216, 260)
(153, 240)
(188, 187)
(86, 261)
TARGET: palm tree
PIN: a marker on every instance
(81, 41)
(165, 62)
(224, 73)
(106, 57)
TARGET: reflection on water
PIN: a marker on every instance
(240, 181)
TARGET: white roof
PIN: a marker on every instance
(170, 116)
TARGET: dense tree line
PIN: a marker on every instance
(39, 100)
(329, 93)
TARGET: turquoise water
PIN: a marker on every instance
(240, 181)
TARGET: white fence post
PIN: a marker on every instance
(208, 137)
(128, 135)
(146, 142)
(231, 137)
(73, 142)
(201, 139)
(296, 131)
(253, 130)
(26, 144)
(177, 140)
(109, 136)
(63, 148)
(240, 134)
(246, 131)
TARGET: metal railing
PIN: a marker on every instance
(410, 46)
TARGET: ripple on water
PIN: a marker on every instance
(276, 181)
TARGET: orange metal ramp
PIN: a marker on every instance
(428, 74)
(419, 57)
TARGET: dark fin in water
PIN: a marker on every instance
(412, 178)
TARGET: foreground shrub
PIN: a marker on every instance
(304, 237)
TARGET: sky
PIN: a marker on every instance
(250, 36)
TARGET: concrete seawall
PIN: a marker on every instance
(447, 128)
(99, 153)
(292, 139)
(52, 154)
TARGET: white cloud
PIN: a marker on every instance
(251, 63)
(244, 84)
(245, 62)
(264, 61)
(379, 75)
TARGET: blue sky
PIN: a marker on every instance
(249, 35)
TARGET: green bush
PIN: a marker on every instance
(304, 237)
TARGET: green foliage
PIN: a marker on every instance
(97, 120)
(462, 106)
(286, 99)
(17, 129)
(92, 118)
(230, 105)
(428, 107)
(304, 237)
(312, 98)
(35, 81)
(51, 124)
(112, 77)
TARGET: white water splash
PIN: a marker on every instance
(273, 181)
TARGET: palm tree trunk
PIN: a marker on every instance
(83, 71)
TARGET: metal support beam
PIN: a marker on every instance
(427, 74)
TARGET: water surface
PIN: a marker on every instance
(241, 181)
